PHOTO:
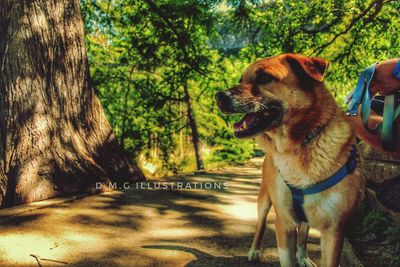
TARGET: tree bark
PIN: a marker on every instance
(193, 127)
(54, 137)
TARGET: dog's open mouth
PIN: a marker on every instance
(256, 122)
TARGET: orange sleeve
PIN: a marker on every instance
(371, 139)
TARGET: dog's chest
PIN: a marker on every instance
(319, 208)
(291, 170)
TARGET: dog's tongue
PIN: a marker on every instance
(247, 120)
(250, 118)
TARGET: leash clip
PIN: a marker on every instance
(352, 109)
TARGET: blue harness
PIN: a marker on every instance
(298, 194)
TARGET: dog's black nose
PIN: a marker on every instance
(222, 97)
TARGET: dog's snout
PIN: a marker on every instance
(222, 97)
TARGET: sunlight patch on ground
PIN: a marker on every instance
(81, 237)
(181, 232)
(19, 247)
(241, 210)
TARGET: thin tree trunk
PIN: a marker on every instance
(181, 134)
(54, 137)
(125, 116)
(193, 126)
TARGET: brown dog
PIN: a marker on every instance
(308, 139)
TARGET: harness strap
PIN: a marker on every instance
(298, 193)
(298, 200)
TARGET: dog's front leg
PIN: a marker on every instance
(331, 247)
(263, 207)
(301, 252)
(286, 239)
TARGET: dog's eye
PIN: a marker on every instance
(263, 78)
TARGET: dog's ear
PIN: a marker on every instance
(308, 67)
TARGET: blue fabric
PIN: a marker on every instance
(298, 193)
(396, 71)
(362, 95)
(388, 132)
(298, 200)
(362, 86)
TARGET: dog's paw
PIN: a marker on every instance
(253, 255)
(305, 262)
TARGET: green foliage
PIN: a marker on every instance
(229, 149)
(370, 225)
(144, 53)
(374, 222)
(393, 236)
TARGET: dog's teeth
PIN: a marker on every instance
(244, 125)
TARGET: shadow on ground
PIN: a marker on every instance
(205, 259)
(135, 227)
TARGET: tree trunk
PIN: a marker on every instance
(193, 127)
(125, 116)
(54, 137)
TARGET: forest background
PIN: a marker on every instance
(157, 64)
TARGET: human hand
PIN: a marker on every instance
(383, 82)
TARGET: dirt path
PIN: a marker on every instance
(136, 227)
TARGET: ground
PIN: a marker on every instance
(377, 254)
(138, 227)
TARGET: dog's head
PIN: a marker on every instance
(272, 91)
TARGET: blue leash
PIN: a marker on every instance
(298, 193)
(358, 95)
(362, 95)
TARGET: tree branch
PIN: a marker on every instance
(170, 133)
(375, 4)
(346, 54)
